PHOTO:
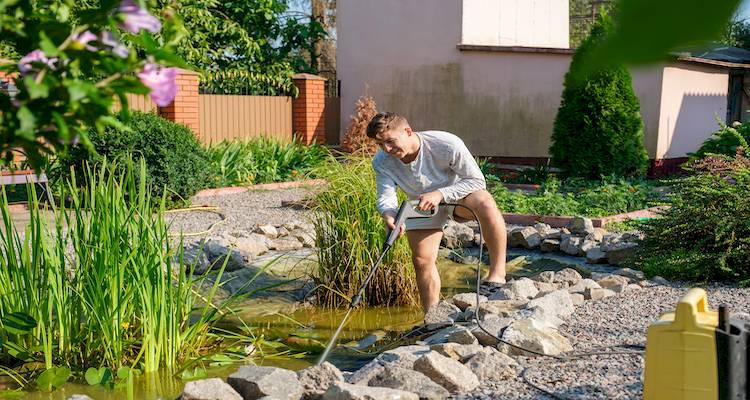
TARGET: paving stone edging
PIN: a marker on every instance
(263, 186)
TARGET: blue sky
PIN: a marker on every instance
(743, 12)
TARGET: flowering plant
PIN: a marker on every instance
(73, 67)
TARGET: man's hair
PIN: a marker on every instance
(383, 122)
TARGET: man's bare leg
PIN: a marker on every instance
(493, 229)
(424, 245)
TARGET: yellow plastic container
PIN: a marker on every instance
(681, 352)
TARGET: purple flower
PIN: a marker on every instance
(109, 39)
(84, 38)
(136, 18)
(162, 82)
(37, 56)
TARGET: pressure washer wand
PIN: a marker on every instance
(390, 238)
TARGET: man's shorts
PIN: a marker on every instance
(437, 221)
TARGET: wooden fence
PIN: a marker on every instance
(227, 117)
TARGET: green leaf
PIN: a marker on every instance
(62, 127)
(196, 373)
(28, 123)
(17, 351)
(49, 48)
(79, 90)
(648, 30)
(99, 376)
(36, 90)
(18, 323)
(53, 378)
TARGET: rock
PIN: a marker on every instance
(528, 334)
(502, 308)
(306, 238)
(597, 235)
(267, 230)
(252, 382)
(315, 380)
(453, 334)
(580, 225)
(494, 325)
(557, 303)
(544, 276)
(346, 391)
(209, 389)
(550, 245)
(546, 231)
(632, 286)
(545, 287)
(253, 244)
(79, 397)
(521, 289)
(441, 314)
(286, 243)
(582, 285)
(567, 275)
(632, 236)
(492, 366)
(595, 255)
(526, 237)
(456, 351)
(456, 235)
(621, 253)
(588, 245)
(403, 356)
(612, 280)
(571, 245)
(193, 254)
(466, 300)
(447, 372)
(597, 294)
(577, 298)
(631, 274)
(410, 381)
(218, 249)
(545, 317)
(658, 280)
(282, 231)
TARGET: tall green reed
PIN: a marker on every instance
(100, 286)
(350, 235)
(264, 159)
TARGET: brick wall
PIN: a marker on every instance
(185, 109)
(308, 117)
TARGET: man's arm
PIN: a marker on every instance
(470, 178)
(387, 199)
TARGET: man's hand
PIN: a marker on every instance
(430, 200)
(390, 223)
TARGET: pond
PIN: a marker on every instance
(308, 329)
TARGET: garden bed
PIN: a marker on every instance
(561, 221)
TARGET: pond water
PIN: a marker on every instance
(308, 329)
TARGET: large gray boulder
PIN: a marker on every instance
(410, 381)
(572, 245)
(580, 225)
(456, 351)
(346, 391)
(567, 275)
(457, 235)
(315, 380)
(582, 285)
(447, 372)
(209, 389)
(441, 314)
(610, 281)
(621, 252)
(493, 324)
(403, 356)
(252, 382)
(556, 303)
(466, 300)
(526, 237)
(533, 335)
(452, 334)
(252, 244)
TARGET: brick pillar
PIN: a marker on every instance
(185, 109)
(308, 118)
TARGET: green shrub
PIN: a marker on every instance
(350, 235)
(264, 160)
(725, 141)
(705, 234)
(598, 129)
(174, 157)
(578, 197)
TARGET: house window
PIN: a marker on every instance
(525, 23)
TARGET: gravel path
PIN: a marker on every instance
(611, 321)
(242, 211)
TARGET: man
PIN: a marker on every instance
(434, 167)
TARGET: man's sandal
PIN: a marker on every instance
(490, 288)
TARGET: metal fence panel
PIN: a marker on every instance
(230, 117)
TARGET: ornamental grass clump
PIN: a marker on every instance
(350, 235)
(705, 234)
(102, 286)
